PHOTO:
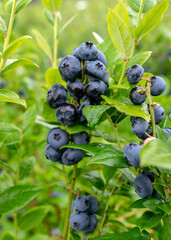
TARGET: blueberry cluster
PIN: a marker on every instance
(86, 66)
(83, 216)
(140, 127)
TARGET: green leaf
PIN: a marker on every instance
(3, 28)
(158, 152)
(77, 128)
(151, 20)
(67, 23)
(49, 4)
(149, 220)
(39, 237)
(94, 113)
(90, 148)
(6, 181)
(95, 180)
(12, 63)
(8, 236)
(98, 38)
(10, 135)
(43, 44)
(20, 5)
(139, 58)
(122, 11)
(128, 108)
(6, 166)
(32, 218)
(12, 97)
(132, 234)
(135, 5)
(28, 118)
(110, 156)
(15, 198)
(120, 34)
(26, 167)
(161, 134)
(52, 76)
(49, 16)
(12, 47)
(165, 232)
(128, 173)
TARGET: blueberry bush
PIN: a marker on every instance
(85, 125)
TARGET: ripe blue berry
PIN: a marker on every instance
(70, 68)
(79, 221)
(137, 97)
(76, 89)
(143, 186)
(132, 154)
(56, 95)
(67, 114)
(72, 156)
(81, 138)
(95, 70)
(101, 57)
(82, 203)
(155, 194)
(82, 118)
(144, 135)
(94, 204)
(92, 225)
(158, 113)
(57, 138)
(158, 85)
(95, 89)
(105, 79)
(86, 51)
(167, 131)
(52, 154)
(139, 126)
(149, 174)
(134, 73)
(22, 92)
(2, 84)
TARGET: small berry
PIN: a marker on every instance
(70, 68)
(67, 114)
(92, 225)
(139, 126)
(56, 95)
(82, 203)
(137, 97)
(57, 138)
(149, 174)
(101, 57)
(81, 138)
(72, 156)
(143, 186)
(167, 131)
(76, 89)
(86, 51)
(95, 70)
(94, 204)
(79, 221)
(95, 89)
(158, 85)
(158, 113)
(2, 84)
(134, 73)
(132, 154)
(52, 154)
(155, 194)
(82, 118)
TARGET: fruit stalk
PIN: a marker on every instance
(7, 38)
(70, 201)
(151, 107)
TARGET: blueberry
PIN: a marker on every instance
(95, 70)
(79, 221)
(132, 154)
(92, 225)
(56, 95)
(22, 92)
(57, 138)
(82, 118)
(52, 154)
(105, 79)
(155, 194)
(149, 174)
(101, 57)
(143, 186)
(81, 138)
(158, 113)
(70, 68)
(137, 97)
(134, 73)
(158, 85)
(67, 114)
(76, 89)
(143, 136)
(139, 126)
(167, 131)
(86, 51)
(75, 53)
(95, 89)
(2, 84)
(1, 170)
(72, 156)
(132, 119)
(82, 203)
(94, 205)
